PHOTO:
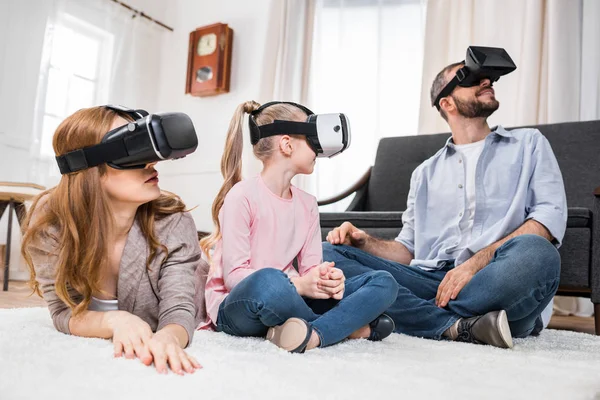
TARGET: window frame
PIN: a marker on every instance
(105, 41)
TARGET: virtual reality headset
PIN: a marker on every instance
(480, 63)
(147, 139)
(327, 134)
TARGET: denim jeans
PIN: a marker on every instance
(268, 298)
(521, 278)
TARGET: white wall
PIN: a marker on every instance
(22, 29)
(21, 39)
(197, 177)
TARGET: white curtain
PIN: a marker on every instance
(130, 74)
(590, 67)
(367, 63)
(554, 44)
(286, 64)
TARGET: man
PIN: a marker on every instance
(476, 259)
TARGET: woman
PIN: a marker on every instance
(112, 255)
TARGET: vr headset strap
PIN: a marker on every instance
(461, 74)
(271, 103)
(287, 128)
(134, 114)
(92, 156)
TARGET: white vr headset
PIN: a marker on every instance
(327, 134)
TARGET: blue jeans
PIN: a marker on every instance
(522, 278)
(268, 298)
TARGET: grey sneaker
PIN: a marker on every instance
(491, 328)
(293, 335)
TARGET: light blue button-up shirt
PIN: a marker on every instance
(516, 178)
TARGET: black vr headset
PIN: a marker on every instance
(149, 138)
(480, 63)
(327, 134)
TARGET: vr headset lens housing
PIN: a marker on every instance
(327, 134)
(480, 63)
(163, 136)
(333, 133)
(149, 138)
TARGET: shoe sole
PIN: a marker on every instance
(293, 335)
(504, 330)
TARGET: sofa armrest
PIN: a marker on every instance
(355, 187)
(579, 217)
(595, 264)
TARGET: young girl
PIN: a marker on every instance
(262, 225)
(112, 256)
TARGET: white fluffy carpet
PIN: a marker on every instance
(36, 362)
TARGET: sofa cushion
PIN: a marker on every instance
(397, 158)
(575, 144)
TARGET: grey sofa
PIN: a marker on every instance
(380, 197)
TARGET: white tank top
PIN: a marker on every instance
(469, 154)
(103, 305)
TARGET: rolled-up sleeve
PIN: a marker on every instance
(546, 198)
(407, 233)
(176, 280)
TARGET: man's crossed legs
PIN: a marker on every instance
(521, 279)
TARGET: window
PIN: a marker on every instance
(367, 57)
(76, 75)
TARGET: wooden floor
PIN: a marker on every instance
(18, 295)
(572, 323)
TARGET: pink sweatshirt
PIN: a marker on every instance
(261, 230)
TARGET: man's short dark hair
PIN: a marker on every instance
(439, 83)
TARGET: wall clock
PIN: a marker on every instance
(209, 60)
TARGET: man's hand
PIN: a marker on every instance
(457, 278)
(347, 234)
(454, 282)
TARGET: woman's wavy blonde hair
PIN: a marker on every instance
(76, 213)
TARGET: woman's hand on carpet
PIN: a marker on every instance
(166, 350)
(130, 336)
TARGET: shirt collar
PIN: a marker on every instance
(496, 130)
(499, 130)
